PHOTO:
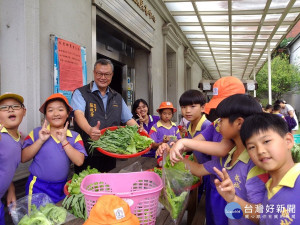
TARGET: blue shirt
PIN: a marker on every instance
(10, 157)
(51, 163)
(248, 180)
(152, 120)
(201, 126)
(78, 103)
(281, 203)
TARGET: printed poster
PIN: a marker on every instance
(69, 67)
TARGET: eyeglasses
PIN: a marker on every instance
(106, 75)
(13, 107)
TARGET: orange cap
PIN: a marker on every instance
(223, 88)
(111, 209)
(56, 96)
(166, 105)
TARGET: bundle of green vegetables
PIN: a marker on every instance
(296, 153)
(46, 215)
(124, 140)
(74, 186)
(177, 181)
(75, 202)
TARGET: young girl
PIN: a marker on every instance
(163, 130)
(140, 112)
(52, 147)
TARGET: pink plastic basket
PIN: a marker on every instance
(140, 190)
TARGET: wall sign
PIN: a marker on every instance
(69, 67)
(144, 8)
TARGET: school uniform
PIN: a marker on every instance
(158, 131)
(10, 157)
(201, 157)
(201, 126)
(152, 120)
(214, 202)
(248, 180)
(280, 115)
(280, 205)
(50, 166)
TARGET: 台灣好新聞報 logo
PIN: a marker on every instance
(233, 210)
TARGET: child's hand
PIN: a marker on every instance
(142, 120)
(11, 195)
(176, 152)
(44, 133)
(162, 148)
(61, 134)
(225, 186)
(142, 129)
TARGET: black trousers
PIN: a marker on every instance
(101, 162)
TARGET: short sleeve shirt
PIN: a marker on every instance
(212, 132)
(202, 125)
(248, 180)
(152, 120)
(10, 157)
(281, 204)
(78, 103)
(51, 163)
(158, 131)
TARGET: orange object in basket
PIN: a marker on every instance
(123, 156)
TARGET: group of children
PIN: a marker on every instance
(251, 162)
(51, 147)
(244, 154)
(275, 109)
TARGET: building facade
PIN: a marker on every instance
(152, 58)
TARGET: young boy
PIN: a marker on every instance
(276, 111)
(233, 111)
(208, 141)
(269, 145)
(164, 128)
(12, 112)
(192, 104)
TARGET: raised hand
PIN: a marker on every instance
(44, 133)
(162, 148)
(95, 132)
(61, 134)
(142, 120)
(225, 186)
(176, 152)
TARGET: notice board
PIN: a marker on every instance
(69, 67)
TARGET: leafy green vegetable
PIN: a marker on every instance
(75, 201)
(76, 205)
(296, 153)
(47, 215)
(178, 179)
(181, 167)
(53, 213)
(74, 186)
(176, 202)
(158, 171)
(124, 140)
